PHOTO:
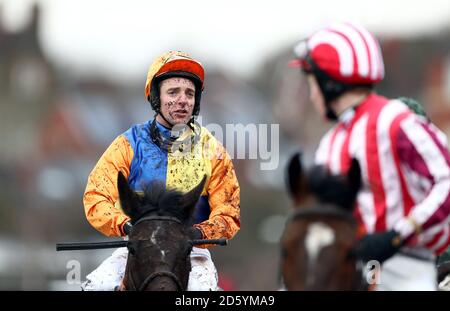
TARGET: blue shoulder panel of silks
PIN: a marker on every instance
(202, 210)
(149, 161)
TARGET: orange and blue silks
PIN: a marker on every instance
(217, 214)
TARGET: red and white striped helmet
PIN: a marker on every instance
(345, 51)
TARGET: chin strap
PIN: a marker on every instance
(161, 141)
(330, 114)
(171, 143)
(164, 118)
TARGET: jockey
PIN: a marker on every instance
(172, 148)
(403, 206)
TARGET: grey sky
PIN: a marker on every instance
(121, 37)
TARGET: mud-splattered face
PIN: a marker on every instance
(177, 96)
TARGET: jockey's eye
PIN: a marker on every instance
(173, 91)
(190, 94)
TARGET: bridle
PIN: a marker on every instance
(156, 274)
(153, 276)
(123, 243)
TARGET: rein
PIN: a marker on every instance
(123, 243)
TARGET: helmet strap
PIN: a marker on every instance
(168, 143)
(164, 118)
(331, 90)
(191, 123)
(161, 141)
(329, 113)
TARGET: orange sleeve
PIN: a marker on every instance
(224, 199)
(100, 198)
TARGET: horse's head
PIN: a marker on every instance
(319, 185)
(159, 245)
(318, 238)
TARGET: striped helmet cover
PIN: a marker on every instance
(347, 52)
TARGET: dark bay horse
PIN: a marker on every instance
(159, 244)
(316, 246)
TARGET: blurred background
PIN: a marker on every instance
(72, 77)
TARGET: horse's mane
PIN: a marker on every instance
(161, 201)
(334, 189)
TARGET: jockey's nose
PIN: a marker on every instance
(182, 100)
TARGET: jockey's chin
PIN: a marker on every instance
(180, 117)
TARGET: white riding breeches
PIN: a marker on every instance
(405, 273)
(108, 276)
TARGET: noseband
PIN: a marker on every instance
(156, 274)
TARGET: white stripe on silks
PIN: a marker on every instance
(357, 149)
(358, 45)
(417, 185)
(442, 240)
(321, 156)
(335, 161)
(342, 47)
(390, 178)
(428, 235)
(436, 165)
(377, 68)
(367, 208)
(425, 209)
(426, 147)
(442, 138)
(357, 144)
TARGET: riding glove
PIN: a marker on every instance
(378, 246)
(195, 234)
(127, 227)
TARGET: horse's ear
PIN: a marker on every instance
(294, 177)
(128, 198)
(189, 199)
(354, 176)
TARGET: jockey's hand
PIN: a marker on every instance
(378, 246)
(127, 227)
(195, 234)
